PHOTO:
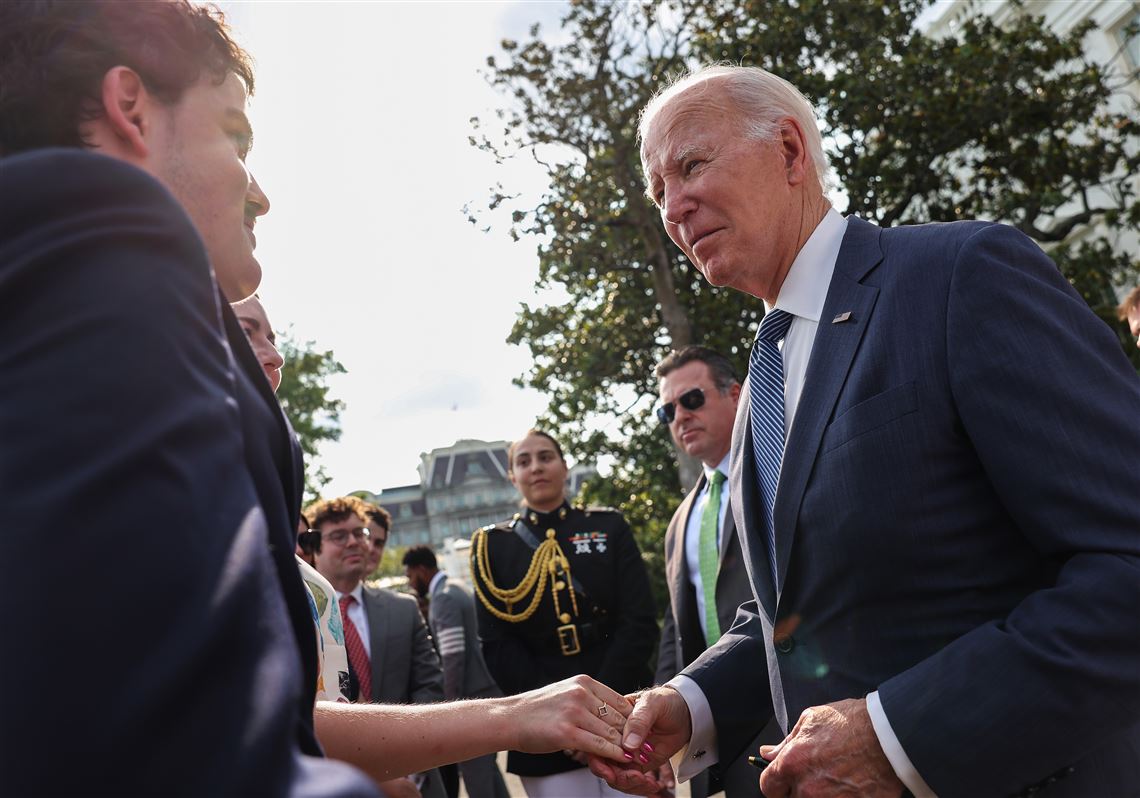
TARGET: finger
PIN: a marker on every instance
(649, 707)
(594, 736)
(611, 717)
(770, 752)
(635, 782)
(614, 700)
(776, 781)
(622, 777)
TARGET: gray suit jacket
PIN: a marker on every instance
(405, 667)
(956, 522)
(682, 640)
(452, 614)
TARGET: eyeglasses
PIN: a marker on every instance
(690, 400)
(340, 536)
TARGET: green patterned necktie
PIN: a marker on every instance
(709, 557)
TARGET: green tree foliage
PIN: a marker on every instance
(1010, 123)
(304, 395)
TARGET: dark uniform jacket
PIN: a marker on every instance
(611, 636)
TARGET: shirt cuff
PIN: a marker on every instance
(894, 750)
(702, 741)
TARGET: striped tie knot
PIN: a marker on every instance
(774, 326)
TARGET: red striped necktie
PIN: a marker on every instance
(357, 656)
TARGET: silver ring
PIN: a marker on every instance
(603, 710)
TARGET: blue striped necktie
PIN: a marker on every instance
(766, 413)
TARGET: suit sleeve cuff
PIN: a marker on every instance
(894, 750)
(701, 751)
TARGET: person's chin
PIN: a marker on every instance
(239, 279)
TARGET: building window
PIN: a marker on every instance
(1131, 43)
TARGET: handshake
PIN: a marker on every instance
(627, 741)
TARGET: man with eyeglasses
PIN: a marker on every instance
(704, 568)
(390, 653)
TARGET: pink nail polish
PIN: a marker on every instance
(627, 755)
(643, 759)
(646, 746)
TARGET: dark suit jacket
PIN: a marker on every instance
(956, 522)
(405, 667)
(144, 478)
(682, 640)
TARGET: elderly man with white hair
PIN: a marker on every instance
(933, 477)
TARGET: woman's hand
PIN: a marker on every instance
(578, 713)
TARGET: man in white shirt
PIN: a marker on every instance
(932, 481)
(704, 569)
(390, 652)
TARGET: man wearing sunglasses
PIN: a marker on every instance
(704, 569)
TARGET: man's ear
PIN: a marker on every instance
(793, 148)
(127, 106)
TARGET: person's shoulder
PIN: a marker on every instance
(495, 529)
(455, 589)
(945, 238)
(597, 516)
(597, 511)
(69, 177)
(394, 600)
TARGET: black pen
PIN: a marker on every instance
(759, 762)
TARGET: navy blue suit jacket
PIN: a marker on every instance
(149, 487)
(957, 522)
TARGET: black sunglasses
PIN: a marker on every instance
(690, 400)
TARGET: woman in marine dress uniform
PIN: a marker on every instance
(561, 591)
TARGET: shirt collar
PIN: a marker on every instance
(357, 593)
(435, 580)
(722, 467)
(805, 288)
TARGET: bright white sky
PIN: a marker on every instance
(361, 124)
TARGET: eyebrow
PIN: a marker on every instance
(239, 118)
(679, 157)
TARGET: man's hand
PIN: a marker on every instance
(832, 751)
(656, 729)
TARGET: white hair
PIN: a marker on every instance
(762, 98)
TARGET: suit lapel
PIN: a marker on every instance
(833, 351)
(726, 533)
(747, 508)
(684, 609)
(377, 631)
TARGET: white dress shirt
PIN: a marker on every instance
(358, 616)
(693, 534)
(803, 295)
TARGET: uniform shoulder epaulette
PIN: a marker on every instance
(597, 508)
(502, 526)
